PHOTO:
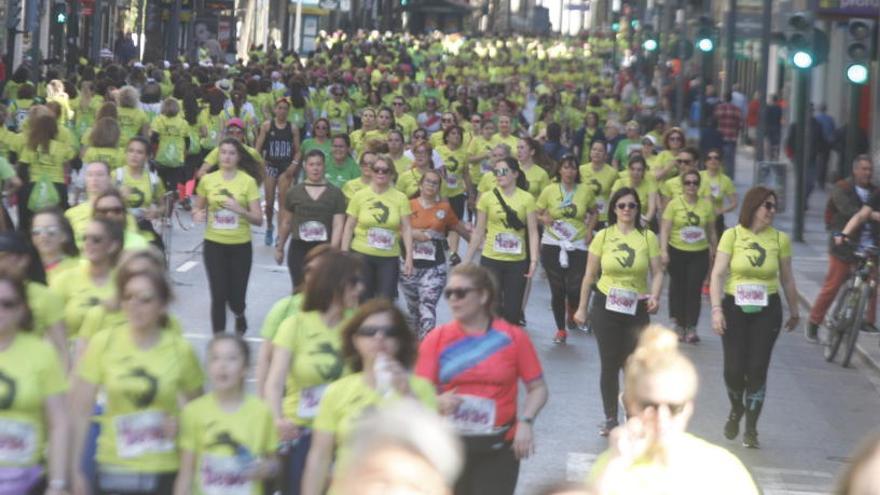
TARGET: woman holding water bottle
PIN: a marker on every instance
(476, 363)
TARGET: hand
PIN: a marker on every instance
(523, 441)
(408, 265)
(652, 305)
(169, 427)
(719, 325)
(448, 402)
(287, 431)
(580, 316)
(279, 254)
(792, 322)
(232, 205)
(399, 377)
(839, 240)
(200, 216)
(532, 266)
(630, 441)
(664, 259)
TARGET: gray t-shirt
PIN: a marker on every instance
(312, 219)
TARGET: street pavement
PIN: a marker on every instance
(814, 416)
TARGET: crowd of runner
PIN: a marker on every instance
(379, 154)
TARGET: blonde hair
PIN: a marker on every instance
(657, 353)
(128, 97)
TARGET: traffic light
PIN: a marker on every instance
(650, 43)
(59, 12)
(807, 46)
(615, 22)
(705, 41)
(859, 33)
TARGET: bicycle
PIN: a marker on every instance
(846, 319)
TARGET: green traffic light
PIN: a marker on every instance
(650, 45)
(61, 18)
(802, 59)
(857, 74)
(705, 45)
(615, 26)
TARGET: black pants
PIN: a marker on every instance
(296, 253)
(687, 271)
(720, 227)
(748, 343)
(172, 176)
(489, 472)
(565, 283)
(165, 486)
(510, 276)
(380, 275)
(228, 267)
(617, 335)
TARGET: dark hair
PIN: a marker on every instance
(691, 171)
(406, 339)
(343, 137)
(612, 206)
(315, 152)
(483, 280)
(753, 200)
(69, 246)
(693, 152)
(143, 141)
(105, 133)
(669, 132)
(449, 130)
(570, 159)
(235, 339)
(157, 278)
(329, 281)
(554, 132)
(513, 164)
(245, 161)
(20, 289)
(325, 121)
(116, 234)
(15, 242)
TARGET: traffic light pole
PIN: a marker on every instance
(800, 152)
(852, 127)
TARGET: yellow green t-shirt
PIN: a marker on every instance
(352, 187)
(690, 223)
(172, 132)
(140, 192)
(646, 187)
(213, 125)
(339, 115)
(378, 221)
(225, 226)
(142, 388)
(504, 243)
(114, 157)
(213, 157)
(54, 271)
(222, 441)
(754, 258)
(538, 180)
(454, 162)
(131, 121)
(568, 210)
(100, 317)
(408, 182)
(80, 293)
(46, 305)
(671, 188)
(281, 310)
(510, 140)
(666, 161)
(316, 361)
(29, 373)
(480, 146)
(600, 181)
(625, 259)
(48, 163)
(407, 124)
(717, 188)
(402, 164)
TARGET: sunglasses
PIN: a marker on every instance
(682, 161)
(713, 157)
(386, 331)
(457, 292)
(626, 206)
(381, 170)
(691, 183)
(139, 298)
(676, 138)
(770, 205)
(114, 210)
(501, 172)
(674, 409)
(9, 303)
(46, 231)
(96, 239)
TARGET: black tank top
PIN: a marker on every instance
(278, 148)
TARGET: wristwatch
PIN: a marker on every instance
(527, 420)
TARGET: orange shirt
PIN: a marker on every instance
(438, 219)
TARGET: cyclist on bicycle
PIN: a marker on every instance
(848, 199)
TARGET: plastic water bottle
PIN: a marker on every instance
(382, 374)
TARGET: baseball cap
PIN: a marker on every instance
(235, 121)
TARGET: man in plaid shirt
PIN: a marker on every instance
(729, 118)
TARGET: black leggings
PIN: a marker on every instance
(489, 472)
(172, 176)
(748, 343)
(380, 274)
(296, 253)
(228, 267)
(510, 276)
(687, 271)
(565, 283)
(617, 335)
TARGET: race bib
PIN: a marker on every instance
(309, 400)
(451, 181)
(379, 238)
(425, 250)
(474, 416)
(600, 205)
(224, 220)
(564, 230)
(224, 476)
(336, 126)
(692, 235)
(506, 243)
(312, 231)
(486, 167)
(715, 190)
(141, 433)
(751, 295)
(18, 441)
(622, 301)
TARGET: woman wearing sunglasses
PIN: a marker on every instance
(563, 208)
(687, 243)
(368, 158)
(628, 290)
(307, 356)
(408, 181)
(368, 123)
(599, 176)
(432, 220)
(378, 219)
(476, 362)
(752, 261)
(380, 350)
(320, 139)
(35, 421)
(669, 189)
(673, 142)
(52, 235)
(653, 452)
(507, 220)
(718, 187)
(637, 176)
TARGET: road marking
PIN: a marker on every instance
(273, 268)
(203, 336)
(189, 265)
(578, 465)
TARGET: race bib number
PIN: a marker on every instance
(224, 476)
(751, 295)
(600, 205)
(425, 250)
(622, 301)
(475, 415)
(141, 433)
(715, 190)
(224, 220)
(309, 400)
(692, 235)
(451, 181)
(379, 238)
(486, 167)
(336, 126)
(564, 230)
(506, 243)
(312, 231)
(18, 441)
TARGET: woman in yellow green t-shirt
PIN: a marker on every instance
(147, 372)
(600, 176)
(628, 255)
(34, 416)
(227, 437)
(141, 188)
(408, 181)
(718, 187)
(378, 219)
(52, 236)
(637, 177)
(132, 120)
(171, 130)
(453, 156)
(687, 243)
(532, 161)
(103, 144)
(380, 349)
(229, 201)
(505, 217)
(308, 356)
(41, 161)
(755, 260)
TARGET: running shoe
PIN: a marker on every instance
(561, 336)
(691, 336)
(869, 328)
(731, 427)
(812, 333)
(606, 428)
(706, 289)
(750, 440)
(241, 325)
(680, 332)
(186, 204)
(270, 236)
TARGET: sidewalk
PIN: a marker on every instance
(809, 258)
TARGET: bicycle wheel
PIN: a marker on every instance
(838, 323)
(853, 333)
